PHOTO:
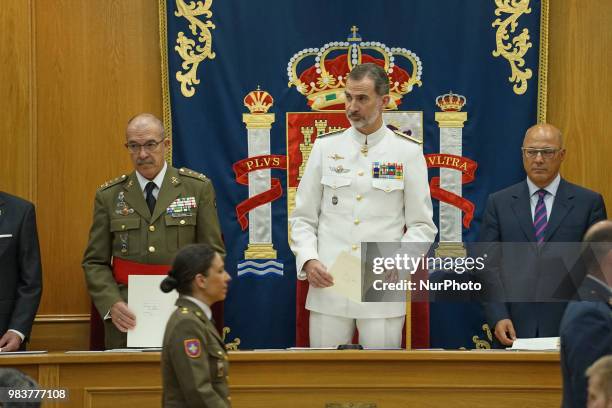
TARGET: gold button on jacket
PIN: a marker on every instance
(194, 361)
(123, 227)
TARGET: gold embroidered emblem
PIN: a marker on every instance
(190, 53)
(364, 150)
(513, 49)
(232, 345)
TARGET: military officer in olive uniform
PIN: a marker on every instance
(366, 183)
(143, 219)
(194, 360)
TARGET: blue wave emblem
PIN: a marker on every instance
(260, 268)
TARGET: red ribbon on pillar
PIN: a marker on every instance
(468, 169)
(242, 169)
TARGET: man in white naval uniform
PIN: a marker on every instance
(342, 201)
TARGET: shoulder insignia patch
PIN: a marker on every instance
(183, 171)
(193, 347)
(333, 132)
(112, 182)
(405, 136)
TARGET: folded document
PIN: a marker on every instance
(536, 344)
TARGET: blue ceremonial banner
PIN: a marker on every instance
(249, 85)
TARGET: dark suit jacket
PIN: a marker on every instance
(586, 335)
(508, 219)
(20, 268)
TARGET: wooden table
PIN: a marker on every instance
(312, 379)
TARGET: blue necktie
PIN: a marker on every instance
(540, 218)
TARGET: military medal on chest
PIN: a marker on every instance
(182, 207)
(123, 238)
(339, 169)
(122, 207)
(389, 170)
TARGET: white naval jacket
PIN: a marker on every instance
(339, 204)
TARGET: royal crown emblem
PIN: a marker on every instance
(450, 102)
(324, 81)
(258, 101)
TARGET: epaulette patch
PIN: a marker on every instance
(333, 132)
(405, 136)
(112, 182)
(190, 173)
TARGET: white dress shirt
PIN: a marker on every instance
(549, 198)
(157, 180)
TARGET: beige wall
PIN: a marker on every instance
(77, 70)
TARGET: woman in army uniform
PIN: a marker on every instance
(194, 360)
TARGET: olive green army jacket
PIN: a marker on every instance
(194, 361)
(123, 227)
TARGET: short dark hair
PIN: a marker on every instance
(373, 71)
(190, 261)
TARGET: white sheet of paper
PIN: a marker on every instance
(346, 271)
(152, 308)
(536, 344)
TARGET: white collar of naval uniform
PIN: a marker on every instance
(372, 139)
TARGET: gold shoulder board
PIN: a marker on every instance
(333, 132)
(184, 171)
(405, 136)
(112, 182)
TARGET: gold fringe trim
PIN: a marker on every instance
(543, 62)
(163, 45)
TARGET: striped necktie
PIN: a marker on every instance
(540, 218)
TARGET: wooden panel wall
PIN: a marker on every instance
(79, 69)
(580, 89)
(97, 65)
(17, 136)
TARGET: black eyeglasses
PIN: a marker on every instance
(532, 153)
(149, 147)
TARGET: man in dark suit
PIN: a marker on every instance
(542, 209)
(586, 328)
(20, 273)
